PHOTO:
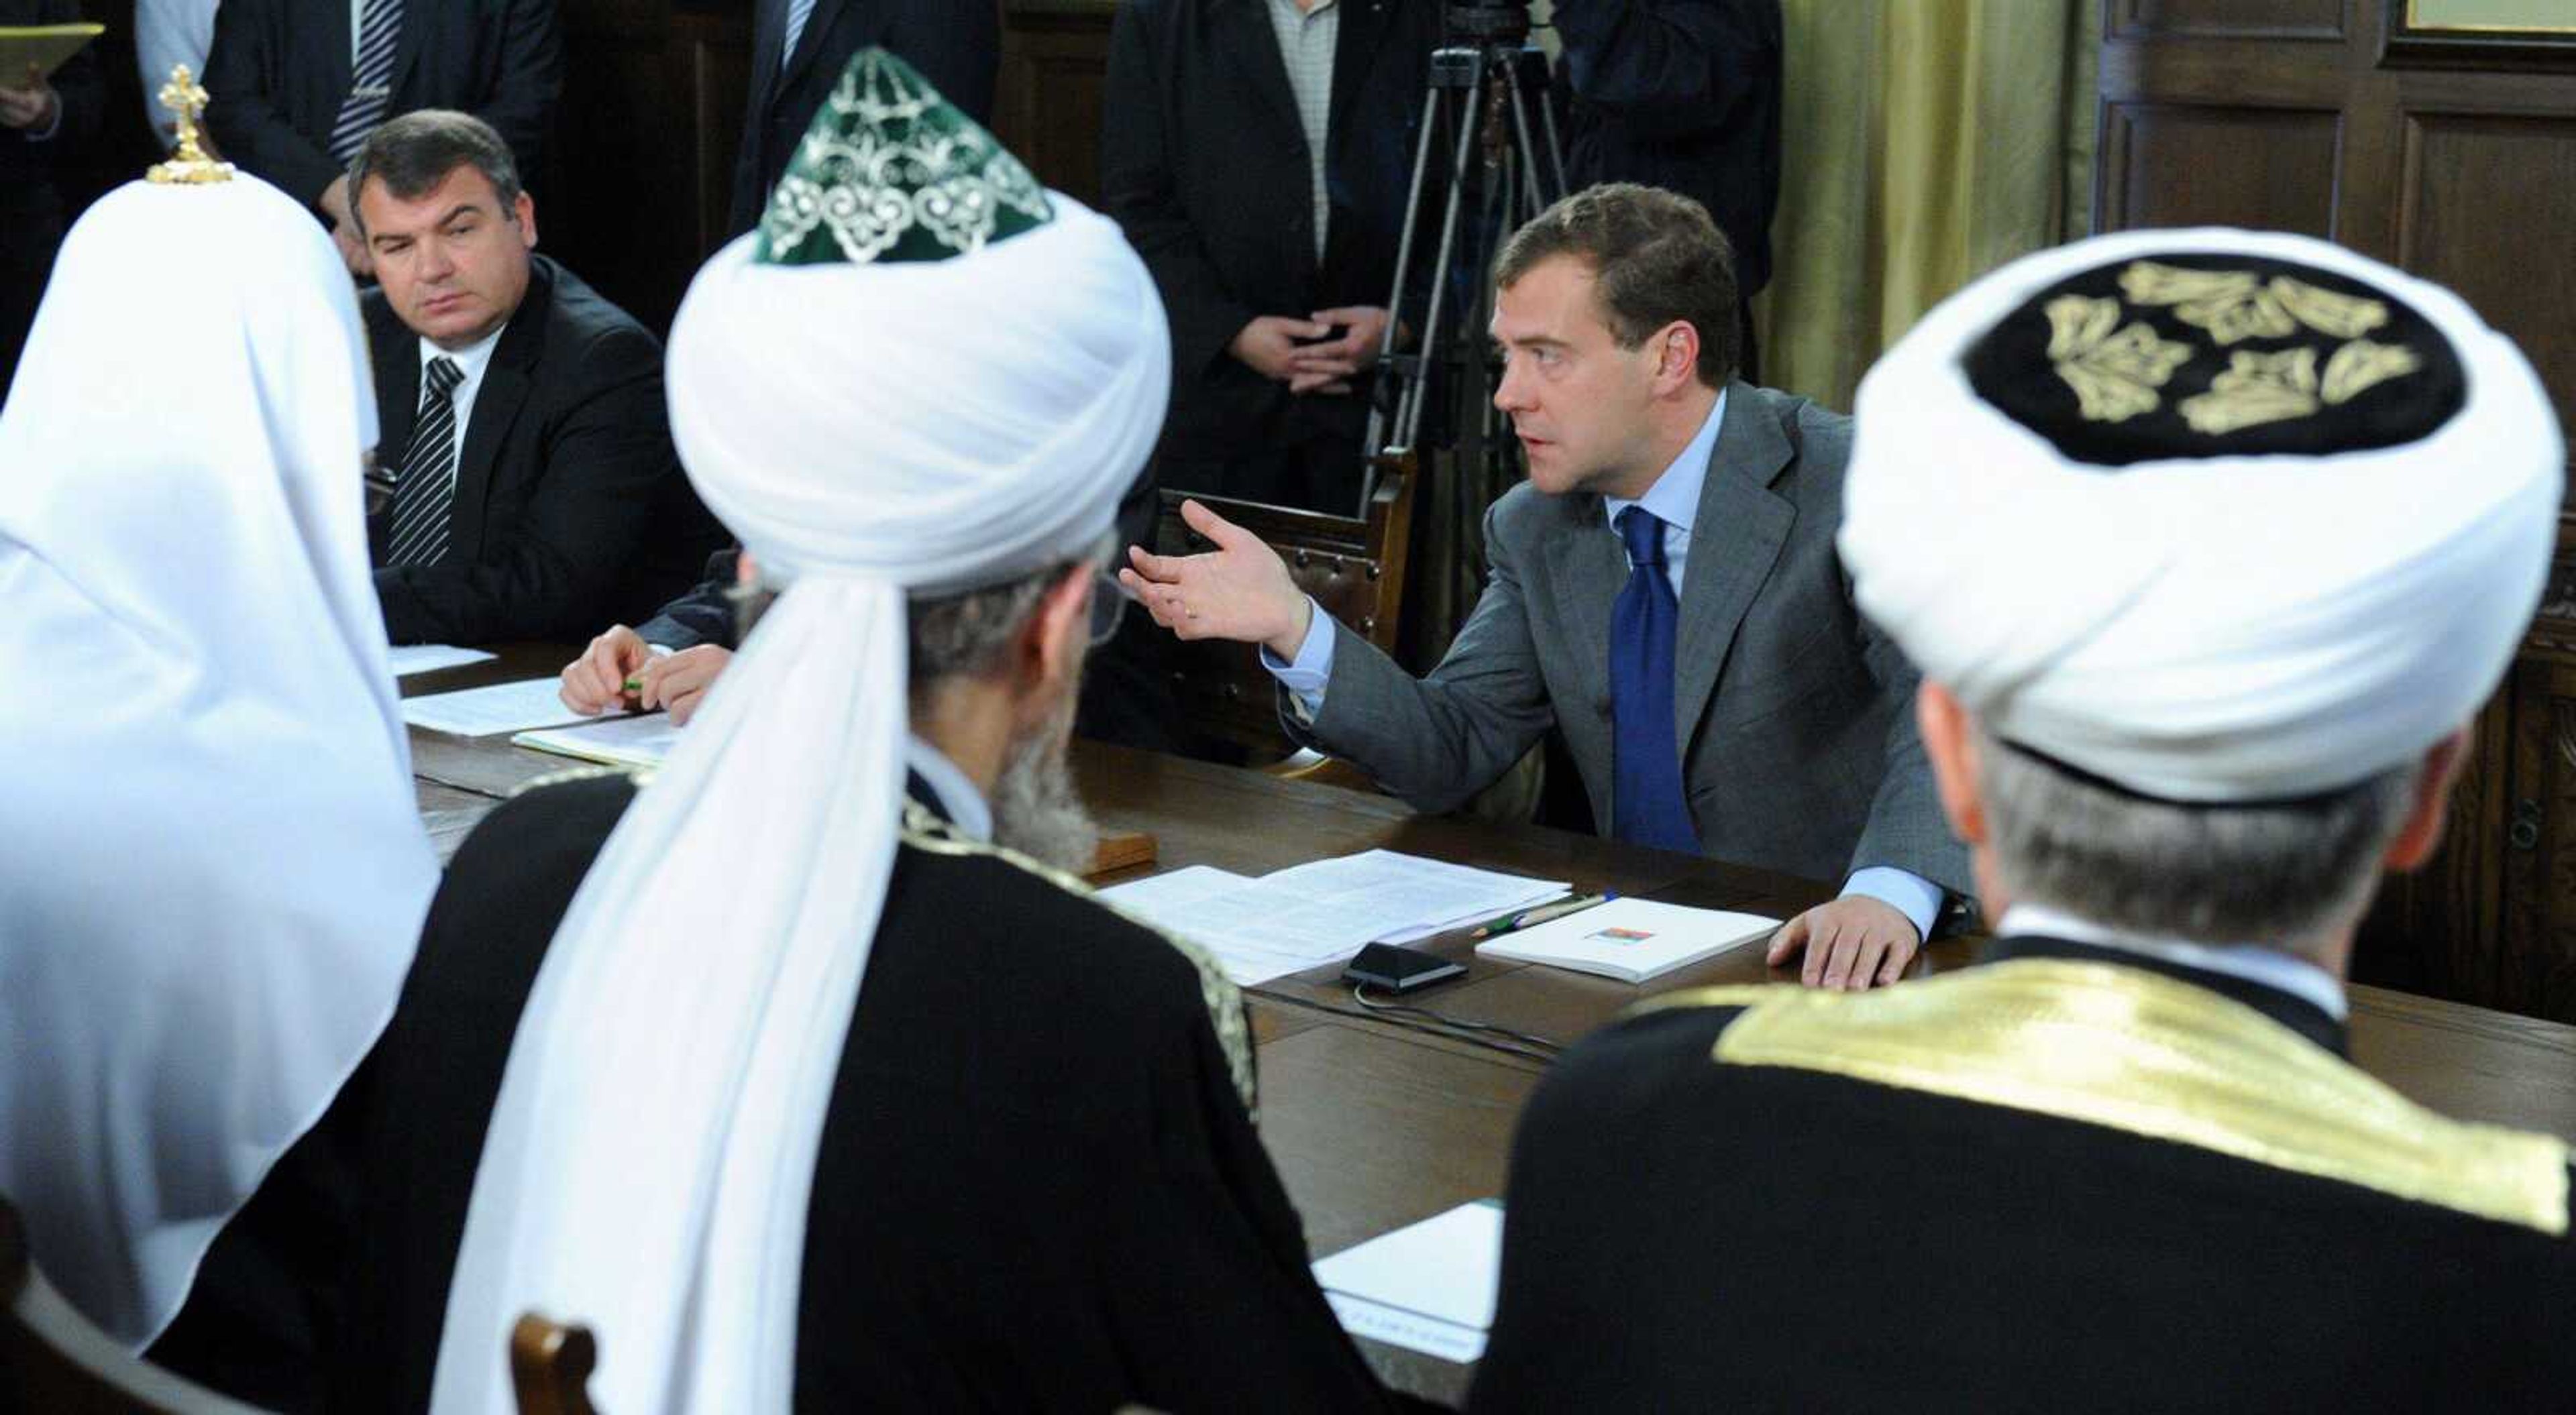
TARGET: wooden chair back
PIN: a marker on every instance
(55, 1360)
(550, 1366)
(1354, 566)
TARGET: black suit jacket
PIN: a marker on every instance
(956, 44)
(1683, 1231)
(1684, 95)
(1203, 163)
(570, 509)
(279, 69)
(31, 199)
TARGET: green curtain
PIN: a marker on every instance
(1924, 143)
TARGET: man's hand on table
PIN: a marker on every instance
(678, 682)
(1241, 590)
(1854, 944)
(596, 682)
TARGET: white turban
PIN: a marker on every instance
(870, 431)
(2213, 624)
(215, 871)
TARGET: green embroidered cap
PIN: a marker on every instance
(891, 171)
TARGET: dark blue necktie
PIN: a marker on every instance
(1646, 802)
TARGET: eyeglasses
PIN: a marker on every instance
(1108, 605)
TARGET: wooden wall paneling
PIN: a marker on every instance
(2489, 209)
(710, 60)
(2229, 19)
(607, 208)
(652, 107)
(2538, 976)
(2461, 167)
(2188, 165)
(1055, 71)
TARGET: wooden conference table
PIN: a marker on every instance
(1374, 1125)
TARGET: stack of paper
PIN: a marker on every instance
(1429, 1287)
(1630, 939)
(639, 740)
(481, 712)
(1324, 911)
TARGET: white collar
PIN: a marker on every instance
(1674, 498)
(2252, 962)
(470, 360)
(959, 800)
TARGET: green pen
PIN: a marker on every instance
(1542, 914)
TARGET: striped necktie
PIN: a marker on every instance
(425, 490)
(371, 78)
(798, 12)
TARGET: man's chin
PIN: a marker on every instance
(1036, 810)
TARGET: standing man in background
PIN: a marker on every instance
(297, 85)
(800, 47)
(1683, 95)
(1257, 153)
(41, 121)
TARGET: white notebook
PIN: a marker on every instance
(1630, 939)
(1429, 1286)
(639, 740)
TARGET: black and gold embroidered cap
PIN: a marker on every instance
(2209, 515)
(2208, 354)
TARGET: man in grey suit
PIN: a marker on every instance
(1664, 590)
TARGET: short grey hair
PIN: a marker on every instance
(2281, 873)
(950, 635)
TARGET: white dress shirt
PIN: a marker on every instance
(471, 361)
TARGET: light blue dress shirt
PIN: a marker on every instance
(1674, 500)
(2254, 963)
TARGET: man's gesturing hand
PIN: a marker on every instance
(1239, 591)
(1853, 944)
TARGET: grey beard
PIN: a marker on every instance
(1035, 808)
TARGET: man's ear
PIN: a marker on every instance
(2421, 835)
(1676, 351)
(1049, 647)
(1950, 741)
(525, 208)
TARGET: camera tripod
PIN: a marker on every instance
(1487, 96)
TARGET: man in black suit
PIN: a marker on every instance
(1683, 95)
(799, 47)
(536, 492)
(41, 121)
(295, 86)
(1258, 152)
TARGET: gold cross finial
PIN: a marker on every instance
(189, 166)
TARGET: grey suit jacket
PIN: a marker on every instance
(1795, 714)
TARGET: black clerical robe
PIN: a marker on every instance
(2067, 1180)
(1039, 1186)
